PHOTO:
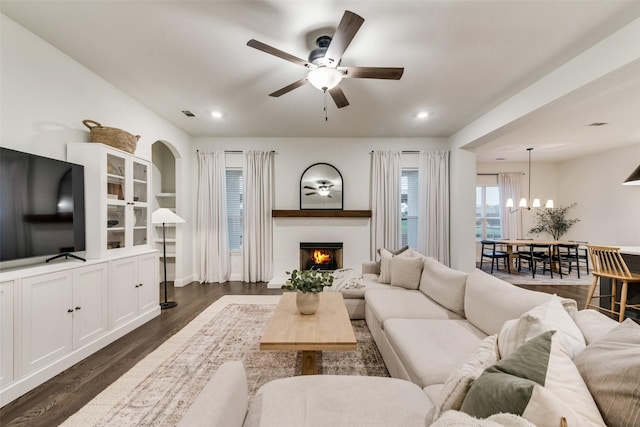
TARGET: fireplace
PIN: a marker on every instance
(320, 255)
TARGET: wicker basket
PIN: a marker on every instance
(113, 137)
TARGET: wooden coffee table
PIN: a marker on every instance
(329, 328)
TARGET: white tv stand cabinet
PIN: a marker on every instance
(52, 316)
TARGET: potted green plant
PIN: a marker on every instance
(308, 284)
(553, 221)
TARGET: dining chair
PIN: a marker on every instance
(567, 254)
(537, 253)
(494, 254)
(607, 262)
(583, 253)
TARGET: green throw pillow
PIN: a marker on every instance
(539, 382)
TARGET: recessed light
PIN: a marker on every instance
(188, 113)
(422, 115)
(216, 115)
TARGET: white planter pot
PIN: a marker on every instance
(307, 302)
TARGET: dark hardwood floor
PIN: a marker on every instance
(57, 399)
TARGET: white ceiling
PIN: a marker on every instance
(461, 59)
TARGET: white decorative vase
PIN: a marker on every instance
(307, 302)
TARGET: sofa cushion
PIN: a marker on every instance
(335, 400)
(404, 304)
(457, 384)
(406, 271)
(611, 368)
(593, 324)
(431, 349)
(222, 402)
(547, 316)
(370, 281)
(444, 285)
(489, 301)
(537, 381)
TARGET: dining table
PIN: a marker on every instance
(512, 245)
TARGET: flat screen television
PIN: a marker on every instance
(41, 206)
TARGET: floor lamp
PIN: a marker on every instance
(165, 216)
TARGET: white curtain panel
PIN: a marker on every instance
(386, 171)
(257, 231)
(509, 188)
(213, 238)
(433, 200)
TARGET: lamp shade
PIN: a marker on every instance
(165, 216)
(634, 178)
(324, 78)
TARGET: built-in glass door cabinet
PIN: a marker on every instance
(6, 333)
(117, 190)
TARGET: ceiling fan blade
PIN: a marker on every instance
(338, 97)
(310, 188)
(346, 31)
(289, 88)
(388, 73)
(280, 54)
(308, 194)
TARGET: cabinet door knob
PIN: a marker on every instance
(70, 310)
(140, 285)
(78, 308)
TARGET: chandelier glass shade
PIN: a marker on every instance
(527, 203)
(324, 78)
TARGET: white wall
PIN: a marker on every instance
(609, 212)
(45, 95)
(351, 156)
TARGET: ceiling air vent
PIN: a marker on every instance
(188, 113)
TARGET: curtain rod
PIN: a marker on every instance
(403, 152)
(237, 151)
(496, 174)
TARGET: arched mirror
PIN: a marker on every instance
(321, 187)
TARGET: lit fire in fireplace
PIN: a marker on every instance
(321, 257)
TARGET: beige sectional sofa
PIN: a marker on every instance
(445, 339)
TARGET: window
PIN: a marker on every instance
(409, 207)
(234, 207)
(488, 212)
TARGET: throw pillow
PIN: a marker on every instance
(537, 381)
(460, 419)
(550, 315)
(457, 385)
(405, 271)
(393, 252)
(385, 262)
(444, 285)
(611, 368)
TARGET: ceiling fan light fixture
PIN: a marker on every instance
(323, 191)
(324, 78)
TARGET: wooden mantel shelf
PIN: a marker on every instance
(312, 213)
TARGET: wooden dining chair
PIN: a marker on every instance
(607, 262)
(537, 253)
(493, 254)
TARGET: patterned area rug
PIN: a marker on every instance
(158, 390)
(524, 277)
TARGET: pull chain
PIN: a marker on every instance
(326, 119)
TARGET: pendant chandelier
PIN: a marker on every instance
(527, 203)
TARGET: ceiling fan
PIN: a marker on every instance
(324, 62)
(322, 190)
